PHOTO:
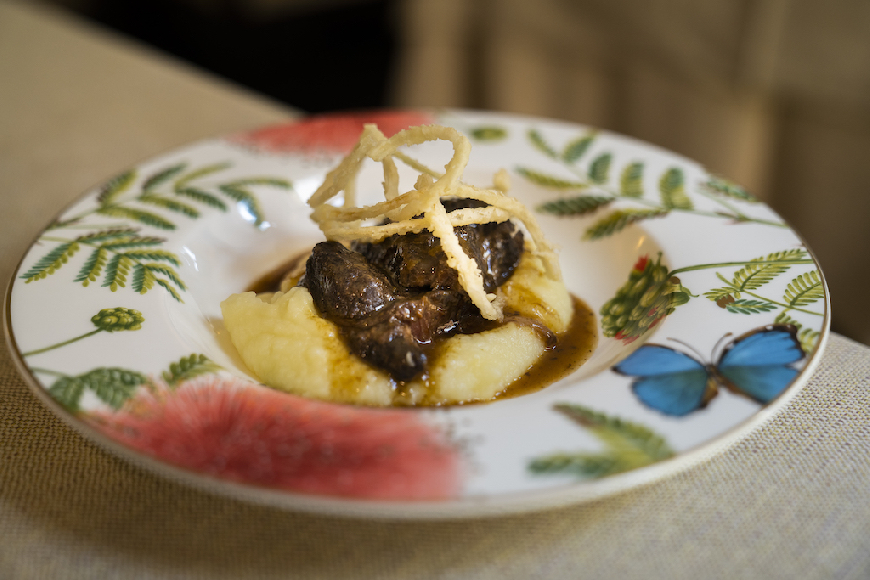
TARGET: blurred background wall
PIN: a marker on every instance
(772, 94)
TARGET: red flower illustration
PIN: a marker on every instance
(640, 266)
(336, 133)
(258, 436)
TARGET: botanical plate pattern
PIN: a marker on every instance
(711, 315)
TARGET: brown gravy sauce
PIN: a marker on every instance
(271, 280)
(573, 347)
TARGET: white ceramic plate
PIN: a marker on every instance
(114, 315)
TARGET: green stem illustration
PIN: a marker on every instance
(107, 319)
(782, 304)
(69, 225)
(64, 343)
(744, 263)
(47, 371)
(742, 216)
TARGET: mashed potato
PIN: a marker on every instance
(289, 346)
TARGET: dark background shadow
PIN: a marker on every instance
(320, 57)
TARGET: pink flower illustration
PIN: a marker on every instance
(335, 133)
(254, 435)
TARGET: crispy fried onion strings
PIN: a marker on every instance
(351, 223)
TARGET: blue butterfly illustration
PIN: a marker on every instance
(756, 365)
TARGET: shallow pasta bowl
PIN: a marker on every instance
(711, 314)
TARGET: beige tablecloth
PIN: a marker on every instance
(790, 501)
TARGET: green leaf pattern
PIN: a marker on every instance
(571, 206)
(550, 182)
(673, 191)
(748, 306)
(93, 266)
(189, 367)
(618, 220)
(115, 187)
(804, 290)
(117, 251)
(631, 180)
(627, 446)
(538, 142)
(599, 169)
(577, 148)
(51, 262)
(114, 386)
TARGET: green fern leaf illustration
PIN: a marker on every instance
(189, 367)
(808, 339)
(170, 204)
(106, 235)
(538, 142)
(162, 177)
(168, 287)
(573, 206)
(628, 446)
(631, 180)
(182, 182)
(784, 318)
(580, 464)
(68, 392)
(760, 271)
(113, 385)
(725, 188)
(115, 187)
(51, 262)
(202, 197)
(549, 181)
(154, 254)
(672, 189)
(804, 290)
(133, 242)
(271, 181)
(144, 217)
(618, 220)
(93, 266)
(166, 271)
(488, 133)
(246, 199)
(599, 169)
(720, 294)
(143, 279)
(575, 149)
(729, 291)
(618, 432)
(746, 306)
(116, 272)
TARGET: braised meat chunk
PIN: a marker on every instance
(394, 300)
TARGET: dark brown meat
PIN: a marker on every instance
(416, 261)
(399, 338)
(344, 285)
(395, 299)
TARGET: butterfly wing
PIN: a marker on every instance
(758, 364)
(668, 381)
